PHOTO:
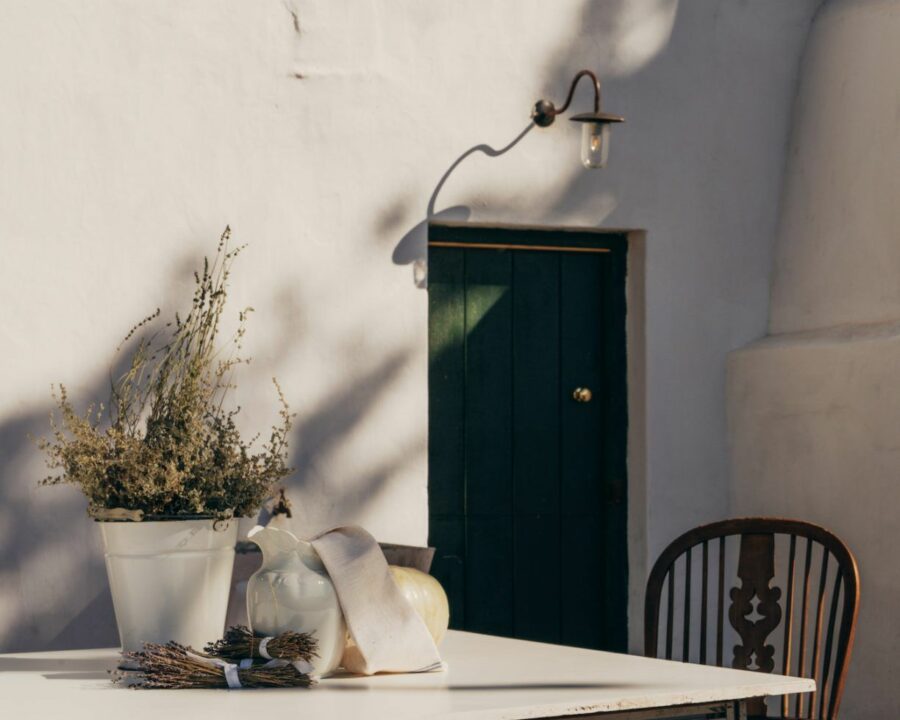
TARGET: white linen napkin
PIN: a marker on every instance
(388, 633)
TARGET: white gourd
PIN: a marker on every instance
(426, 596)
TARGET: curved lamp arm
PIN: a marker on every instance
(545, 112)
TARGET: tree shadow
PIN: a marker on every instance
(99, 663)
(53, 588)
(322, 434)
(318, 434)
(52, 573)
(54, 593)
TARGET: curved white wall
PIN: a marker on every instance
(814, 409)
(837, 259)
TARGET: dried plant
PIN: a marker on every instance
(168, 446)
(173, 666)
(240, 642)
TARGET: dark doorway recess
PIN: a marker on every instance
(528, 430)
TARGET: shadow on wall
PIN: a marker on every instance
(53, 588)
(54, 592)
(616, 38)
(413, 246)
(52, 578)
(322, 433)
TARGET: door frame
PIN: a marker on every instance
(493, 235)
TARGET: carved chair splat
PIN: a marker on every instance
(816, 605)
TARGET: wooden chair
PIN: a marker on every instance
(819, 576)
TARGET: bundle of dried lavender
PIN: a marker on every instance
(174, 666)
(240, 642)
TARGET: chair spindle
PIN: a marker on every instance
(686, 631)
(704, 589)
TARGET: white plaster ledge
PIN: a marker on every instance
(837, 335)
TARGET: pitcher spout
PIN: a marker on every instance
(276, 544)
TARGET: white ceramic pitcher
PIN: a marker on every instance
(292, 591)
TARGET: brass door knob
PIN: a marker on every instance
(582, 395)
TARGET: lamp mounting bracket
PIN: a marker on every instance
(545, 112)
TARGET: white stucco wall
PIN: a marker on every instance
(814, 408)
(836, 261)
(132, 132)
(814, 427)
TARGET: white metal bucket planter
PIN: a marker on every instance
(169, 579)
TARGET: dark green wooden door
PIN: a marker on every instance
(527, 486)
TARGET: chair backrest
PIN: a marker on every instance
(821, 594)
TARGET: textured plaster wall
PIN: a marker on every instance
(837, 258)
(814, 408)
(814, 425)
(132, 132)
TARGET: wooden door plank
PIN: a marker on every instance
(488, 362)
(581, 445)
(446, 441)
(446, 382)
(583, 609)
(489, 586)
(536, 401)
(614, 432)
(536, 446)
(447, 535)
(581, 365)
(538, 577)
(488, 443)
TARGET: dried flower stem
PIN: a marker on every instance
(169, 447)
(239, 642)
(173, 666)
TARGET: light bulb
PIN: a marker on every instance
(594, 144)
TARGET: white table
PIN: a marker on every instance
(489, 678)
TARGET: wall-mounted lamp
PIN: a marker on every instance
(594, 125)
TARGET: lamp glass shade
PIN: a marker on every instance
(594, 144)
